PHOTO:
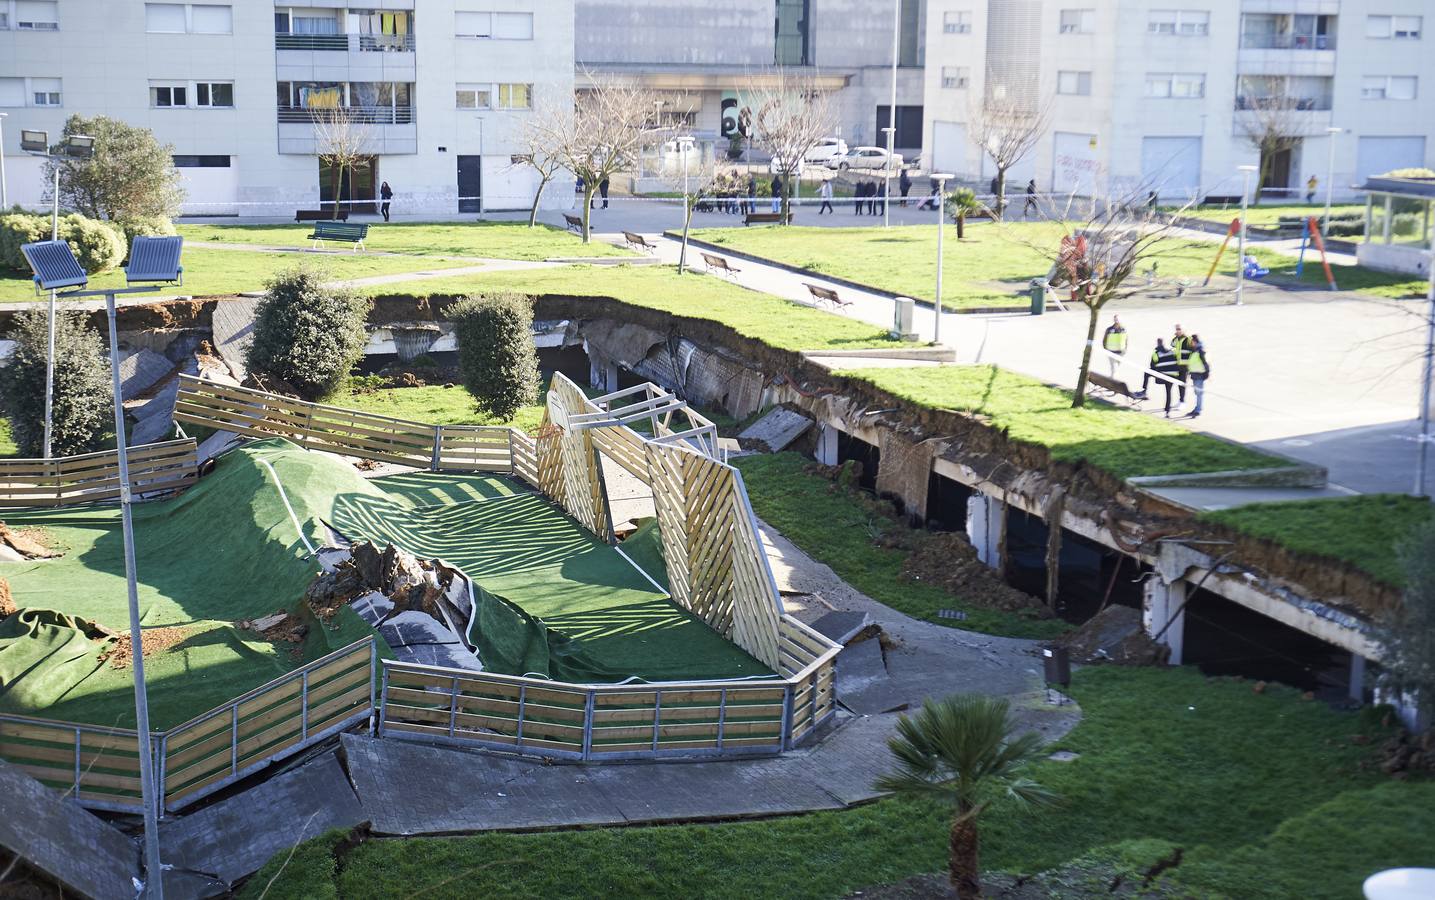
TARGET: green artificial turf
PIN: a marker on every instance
(1121, 442)
(216, 273)
(774, 321)
(222, 551)
(832, 524)
(518, 545)
(1264, 792)
(1365, 531)
(490, 240)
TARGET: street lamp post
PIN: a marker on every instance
(1241, 244)
(887, 178)
(942, 179)
(891, 128)
(1329, 179)
(4, 191)
(1427, 372)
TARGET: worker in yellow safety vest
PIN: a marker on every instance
(1200, 369)
(1180, 345)
(1114, 342)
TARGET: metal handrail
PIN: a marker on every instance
(367, 115)
(359, 43)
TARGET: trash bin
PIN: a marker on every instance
(1038, 296)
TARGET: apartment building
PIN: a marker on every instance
(1167, 93)
(701, 56)
(437, 90)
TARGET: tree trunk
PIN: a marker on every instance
(588, 191)
(1000, 211)
(537, 198)
(1080, 399)
(338, 188)
(961, 224)
(964, 862)
(687, 221)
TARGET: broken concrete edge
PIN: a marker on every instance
(939, 354)
(1297, 474)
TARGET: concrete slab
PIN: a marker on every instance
(778, 429)
(235, 837)
(66, 842)
(841, 626)
(233, 325)
(1205, 499)
(858, 666)
(216, 444)
(675, 792)
(142, 370)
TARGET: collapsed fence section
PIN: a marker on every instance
(95, 477)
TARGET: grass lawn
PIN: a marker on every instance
(1244, 782)
(494, 240)
(1364, 531)
(431, 404)
(832, 525)
(209, 272)
(1121, 442)
(1267, 215)
(777, 322)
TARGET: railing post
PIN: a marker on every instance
(378, 727)
(588, 705)
(160, 773)
(77, 762)
(373, 676)
(786, 742)
(437, 448)
(512, 467)
(452, 704)
(522, 703)
(234, 739)
(304, 705)
(657, 716)
(722, 717)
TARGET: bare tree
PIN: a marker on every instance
(790, 115)
(342, 139)
(538, 153)
(1006, 128)
(1096, 255)
(1271, 119)
(612, 119)
(696, 185)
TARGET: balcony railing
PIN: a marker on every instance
(374, 115)
(1297, 103)
(364, 43)
(1288, 42)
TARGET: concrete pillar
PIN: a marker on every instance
(827, 444)
(1357, 677)
(986, 527)
(1160, 602)
(602, 372)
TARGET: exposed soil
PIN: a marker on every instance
(31, 543)
(153, 640)
(7, 602)
(1114, 635)
(281, 627)
(949, 561)
(1407, 754)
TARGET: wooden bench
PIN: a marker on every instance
(767, 217)
(712, 261)
(320, 215)
(575, 224)
(826, 296)
(638, 242)
(1111, 387)
(340, 231)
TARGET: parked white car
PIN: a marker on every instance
(869, 158)
(827, 152)
(775, 166)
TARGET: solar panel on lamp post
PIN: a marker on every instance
(153, 261)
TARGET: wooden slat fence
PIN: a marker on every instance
(525, 457)
(268, 723)
(99, 767)
(808, 664)
(95, 477)
(474, 448)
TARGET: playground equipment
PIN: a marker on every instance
(1310, 234)
(1230, 233)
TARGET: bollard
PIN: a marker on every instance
(1038, 296)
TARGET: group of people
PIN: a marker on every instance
(1172, 366)
(602, 193)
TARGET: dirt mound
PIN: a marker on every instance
(7, 601)
(410, 582)
(1114, 635)
(950, 562)
(152, 641)
(31, 543)
(281, 627)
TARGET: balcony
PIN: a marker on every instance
(373, 115)
(1272, 104)
(1288, 42)
(346, 43)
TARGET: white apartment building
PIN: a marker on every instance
(440, 89)
(1164, 93)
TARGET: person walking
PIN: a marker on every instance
(603, 190)
(879, 205)
(777, 193)
(1030, 206)
(1200, 369)
(859, 193)
(904, 184)
(1114, 342)
(825, 192)
(930, 201)
(1179, 346)
(1163, 362)
(1311, 184)
(386, 194)
(749, 204)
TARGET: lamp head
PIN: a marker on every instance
(155, 260)
(78, 146)
(35, 141)
(54, 265)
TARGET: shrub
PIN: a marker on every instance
(130, 176)
(17, 229)
(1406, 224)
(98, 246)
(307, 335)
(83, 405)
(145, 226)
(497, 359)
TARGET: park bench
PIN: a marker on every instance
(575, 224)
(340, 231)
(320, 215)
(1112, 387)
(767, 217)
(826, 296)
(638, 242)
(712, 261)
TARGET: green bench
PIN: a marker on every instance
(351, 232)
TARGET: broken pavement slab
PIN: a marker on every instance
(778, 429)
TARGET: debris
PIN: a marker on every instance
(152, 641)
(949, 561)
(280, 627)
(411, 583)
(7, 602)
(31, 543)
(1114, 635)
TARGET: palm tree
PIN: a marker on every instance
(962, 748)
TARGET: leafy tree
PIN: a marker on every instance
(306, 334)
(497, 358)
(83, 405)
(1408, 634)
(131, 175)
(962, 748)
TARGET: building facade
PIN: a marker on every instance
(1173, 95)
(437, 92)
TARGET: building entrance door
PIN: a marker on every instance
(356, 190)
(470, 184)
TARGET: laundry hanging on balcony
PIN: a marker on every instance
(320, 98)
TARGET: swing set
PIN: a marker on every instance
(1309, 236)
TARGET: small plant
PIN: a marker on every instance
(307, 335)
(497, 359)
(83, 405)
(961, 203)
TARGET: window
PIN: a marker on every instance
(957, 22)
(515, 96)
(473, 24)
(1078, 83)
(12, 92)
(473, 96)
(201, 162)
(4, 20)
(19, 92)
(164, 18)
(1404, 28)
(214, 94)
(37, 15)
(909, 35)
(513, 26)
(1178, 85)
(957, 77)
(1078, 21)
(187, 18)
(168, 95)
(206, 19)
(1388, 87)
(1180, 22)
(791, 32)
